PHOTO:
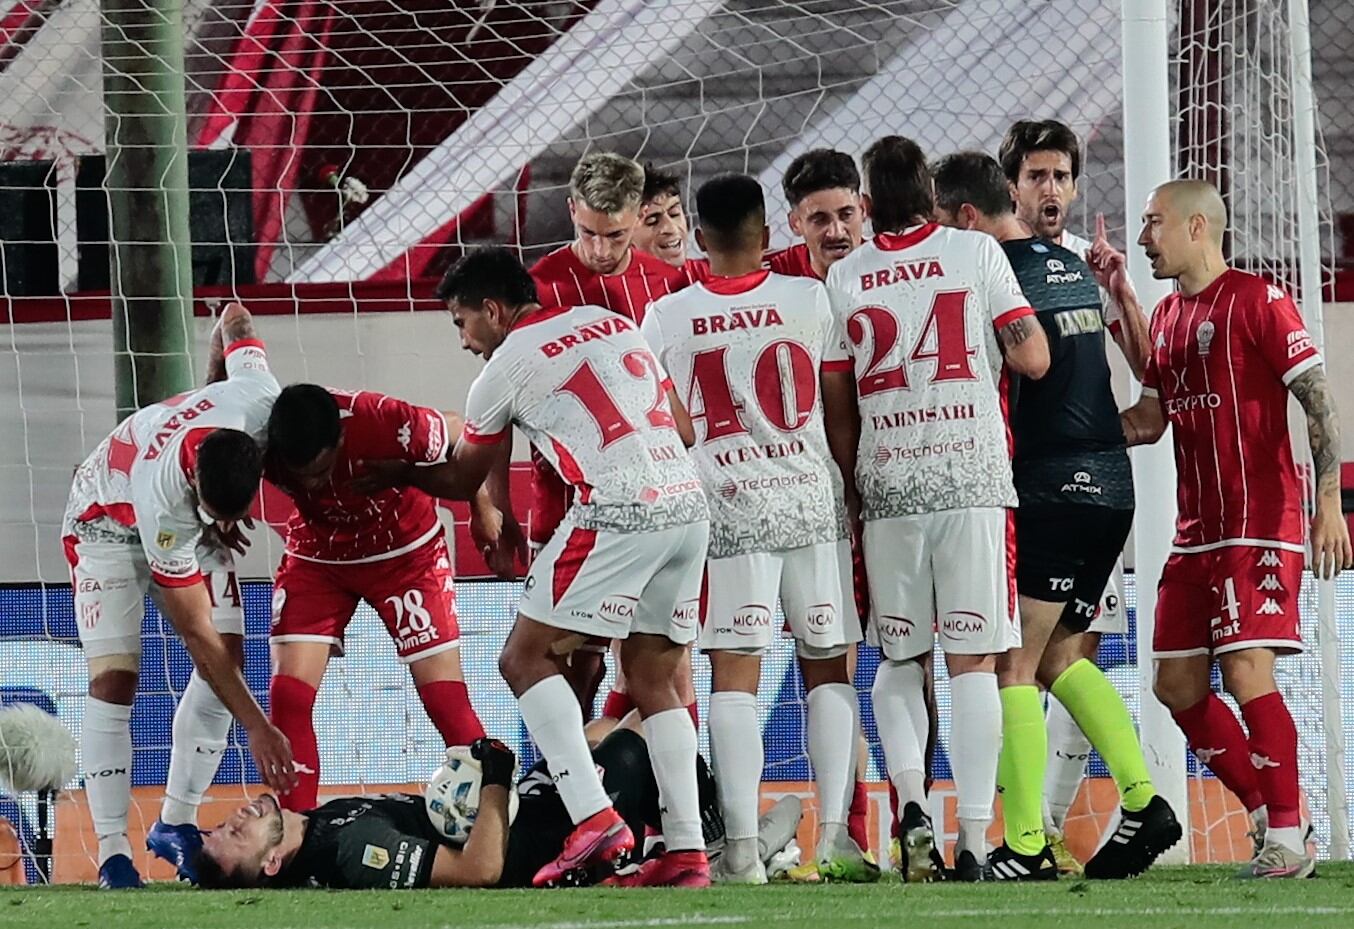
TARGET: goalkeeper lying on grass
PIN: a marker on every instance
(389, 842)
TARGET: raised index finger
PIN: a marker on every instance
(1100, 226)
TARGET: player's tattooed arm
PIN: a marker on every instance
(1025, 346)
(1144, 422)
(1331, 551)
(235, 324)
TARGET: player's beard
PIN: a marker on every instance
(276, 832)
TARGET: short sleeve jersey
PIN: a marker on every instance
(1221, 364)
(793, 261)
(140, 478)
(745, 354)
(562, 280)
(921, 310)
(335, 523)
(382, 842)
(1067, 422)
(587, 391)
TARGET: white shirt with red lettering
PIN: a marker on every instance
(1221, 364)
(335, 523)
(137, 484)
(921, 311)
(588, 392)
(745, 354)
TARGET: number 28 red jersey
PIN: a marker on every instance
(1221, 364)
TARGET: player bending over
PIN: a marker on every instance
(627, 560)
(1075, 486)
(344, 546)
(918, 431)
(388, 842)
(745, 349)
(154, 509)
(1229, 347)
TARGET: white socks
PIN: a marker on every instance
(1068, 752)
(201, 725)
(672, 749)
(833, 720)
(106, 756)
(551, 714)
(975, 746)
(737, 757)
(897, 686)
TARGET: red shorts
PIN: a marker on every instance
(1227, 600)
(414, 595)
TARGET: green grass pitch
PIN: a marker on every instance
(1187, 898)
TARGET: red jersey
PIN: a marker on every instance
(1221, 364)
(336, 523)
(696, 270)
(793, 261)
(562, 280)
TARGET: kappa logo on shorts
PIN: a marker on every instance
(751, 618)
(1269, 582)
(1270, 559)
(895, 627)
(1270, 608)
(961, 624)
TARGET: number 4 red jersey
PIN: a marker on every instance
(335, 523)
(921, 312)
(745, 354)
(589, 394)
(1221, 364)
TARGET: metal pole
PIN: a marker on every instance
(1309, 279)
(1147, 163)
(147, 182)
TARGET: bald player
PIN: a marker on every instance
(1228, 349)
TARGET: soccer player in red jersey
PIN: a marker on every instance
(602, 266)
(1227, 349)
(663, 224)
(344, 545)
(822, 187)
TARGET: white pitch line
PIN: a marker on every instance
(973, 912)
(654, 923)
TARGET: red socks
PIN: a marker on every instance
(1217, 739)
(448, 706)
(617, 705)
(695, 716)
(291, 702)
(857, 820)
(1274, 755)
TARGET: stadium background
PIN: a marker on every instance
(463, 120)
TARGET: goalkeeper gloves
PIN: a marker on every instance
(497, 762)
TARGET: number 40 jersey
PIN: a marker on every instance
(745, 355)
(921, 311)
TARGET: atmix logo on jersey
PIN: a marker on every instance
(1082, 483)
(1058, 273)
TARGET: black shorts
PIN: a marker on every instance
(1066, 554)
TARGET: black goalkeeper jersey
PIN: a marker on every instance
(382, 841)
(1069, 445)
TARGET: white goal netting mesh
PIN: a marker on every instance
(343, 153)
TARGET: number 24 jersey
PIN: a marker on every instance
(921, 311)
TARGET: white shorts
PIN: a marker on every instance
(1113, 616)
(111, 581)
(814, 586)
(949, 574)
(612, 584)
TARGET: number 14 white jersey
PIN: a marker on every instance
(744, 354)
(921, 311)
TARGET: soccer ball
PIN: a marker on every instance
(453, 795)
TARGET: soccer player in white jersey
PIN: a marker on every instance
(1042, 163)
(626, 562)
(745, 348)
(153, 509)
(918, 431)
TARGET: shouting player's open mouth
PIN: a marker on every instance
(670, 248)
(1051, 211)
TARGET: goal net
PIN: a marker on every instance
(343, 153)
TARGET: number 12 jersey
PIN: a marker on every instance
(921, 310)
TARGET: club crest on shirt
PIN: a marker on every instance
(1204, 335)
(373, 856)
(164, 539)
